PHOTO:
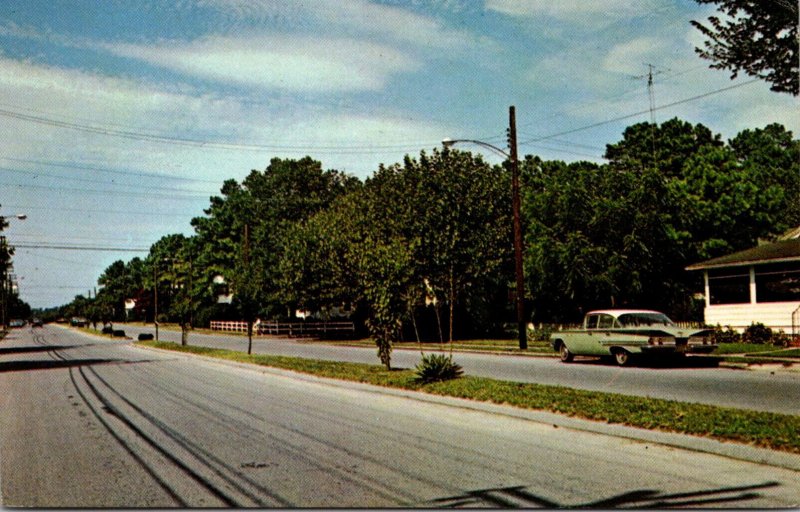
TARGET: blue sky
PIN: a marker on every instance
(121, 118)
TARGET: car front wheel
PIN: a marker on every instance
(565, 354)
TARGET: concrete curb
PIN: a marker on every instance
(730, 450)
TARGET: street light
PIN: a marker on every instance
(511, 156)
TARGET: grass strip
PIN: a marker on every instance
(742, 348)
(793, 353)
(764, 429)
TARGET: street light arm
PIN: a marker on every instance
(450, 142)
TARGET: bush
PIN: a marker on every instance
(541, 333)
(437, 367)
(781, 339)
(727, 336)
(757, 333)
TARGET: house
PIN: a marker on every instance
(761, 284)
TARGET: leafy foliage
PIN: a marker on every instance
(623, 233)
(430, 237)
(728, 335)
(759, 38)
(757, 333)
(437, 368)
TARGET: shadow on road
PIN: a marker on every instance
(687, 362)
(21, 366)
(520, 497)
(37, 348)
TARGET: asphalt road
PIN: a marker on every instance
(772, 390)
(94, 423)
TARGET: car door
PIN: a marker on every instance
(602, 335)
(584, 342)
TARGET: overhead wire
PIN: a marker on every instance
(194, 197)
(635, 114)
(211, 144)
(118, 187)
(84, 167)
(107, 212)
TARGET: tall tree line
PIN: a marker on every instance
(423, 248)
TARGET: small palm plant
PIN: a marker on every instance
(437, 368)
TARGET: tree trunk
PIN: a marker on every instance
(249, 337)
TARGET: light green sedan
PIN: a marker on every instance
(623, 333)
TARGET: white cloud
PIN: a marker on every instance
(630, 57)
(287, 63)
(352, 17)
(588, 10)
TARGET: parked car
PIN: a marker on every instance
(77, 321)
(37, 322)
(16, 323)
(629, 333)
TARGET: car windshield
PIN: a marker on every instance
(643, 319)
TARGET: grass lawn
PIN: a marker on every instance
(792, 352)
(770, 430)
(742, 348)
(484, 345)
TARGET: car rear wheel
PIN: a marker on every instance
(622, 357)
(564, 353)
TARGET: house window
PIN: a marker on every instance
(729, 286)
(778, 282)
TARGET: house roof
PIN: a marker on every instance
(777, 252)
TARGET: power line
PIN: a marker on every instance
(78, 248)
(109, 191)
(83, 167)
(89, 180)
(182, 141)
(628, 116)
(112, 212)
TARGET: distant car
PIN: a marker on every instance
(628, 333)
(37, 322)
(77, 321)
(16, 323)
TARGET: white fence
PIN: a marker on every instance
(291, 329)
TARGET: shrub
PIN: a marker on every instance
(757, 333)
(727, 336)
(541, 333)
(437, 367)
(781, 339)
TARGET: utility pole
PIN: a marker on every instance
(247, 302)
(522, 328)
(155, 295)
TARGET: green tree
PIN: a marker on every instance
(268, 203)
(443, 219)
(665, 146)
(772, 156)
(121, 281)
(622, 233)
(757, 37)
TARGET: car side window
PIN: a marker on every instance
(605, 322)
(591, 322)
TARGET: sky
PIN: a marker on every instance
(121, 118)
